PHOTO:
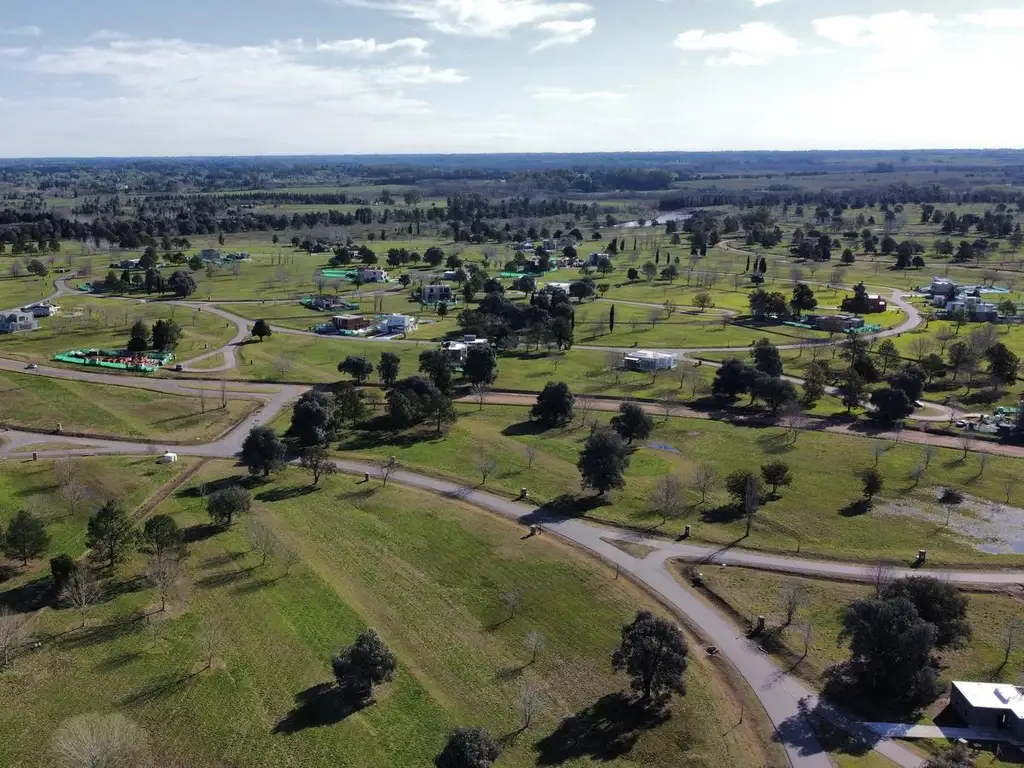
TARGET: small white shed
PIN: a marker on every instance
(168, 458)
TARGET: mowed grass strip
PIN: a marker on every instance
(39, 402)
(428, 573)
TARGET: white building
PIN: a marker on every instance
(398, 324)
(974, 307)
(551, 287)
(994, 707)
(458, 351)
(595, 258)
(13, 322)
(434, 294)
(373, 275)
(42, 309)
(647, 361)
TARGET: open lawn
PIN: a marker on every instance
(36, 486)
(430, 582)
(38, 402)
(819, 514)
(90, 322)
(19, 291)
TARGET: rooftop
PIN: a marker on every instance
(993, 696)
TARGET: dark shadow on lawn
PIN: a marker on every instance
(724, 513)
(855, 508)
(29, 597)
(813, 730)
(193, 492)
(521, 428)
(320, 705)
(104, 633)
(222, 560)
(605, 730)
(284, 494)
(159, 688)
(224, 579)
(117, 661)
(200, 532)
(255, 586)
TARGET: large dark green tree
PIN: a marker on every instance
(356, 366)
(314, 418)
(939, 603)
(261, 329)
(481, 366)
(767, 358)
(603, 461)
(653, 653)
(224, 505)
(182, 283)
(111, 535)
(437, 367)
(262, 451)
(166, 334)
(468, 748)
(162, 535)
(139, 337)
(632, 423)
(364, 664)
(25, 538)
(554, 405)
(388, 368)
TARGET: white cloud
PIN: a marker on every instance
(358, 46)
(28, 31)
(753, 44)
(560, 93)
(103, 35)
(13, 51)
(563, 32)
(997, 18)
(762, 3)
(477, 18)
(899, 29)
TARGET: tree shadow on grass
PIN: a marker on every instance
(30, 596)
(320, 705)
(284, 494)
(605, 730)
(163, 686)
(528, 427)
(118, 661)
(256, 585)
(104, 633)
(813, 730)
(724, 513)
(368, 439)
(855, 508)
(200, 532)
(205, 489)
(223, 579)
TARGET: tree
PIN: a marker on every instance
(950, 498)
(767, 358)
(535, 642)
(26, 537)
(632, 422)
(139, 337)
(36, 267)
(815, 380)
(891, 405)
(318, 463)
(62, 568)
(364, 664)
(182, 284)
(468, 748)
(388, 368)
(261, 329)
(92, 740)
(871, 479)
(166, 334)
(888, 354)
(481, 366)
(486, 465)
(803, 299)
(704, 481)
(511, 600)
(262, 451)
(438, 368)
(667, 497)
(653, 653)
(111, 535)
(262, 541)
(649, 270)
(957, 756)
(852, 390)
(731, 379)
(162, 535)
(702, 300)
(12, 629)
(776, 392)
(910, 379)
(603, 461)
(581, 289)
(164, 573)
(81, 592)
(356, 366)
(554, 405)
(1003, 364)
(227, 503)
(891, 651)
(939, 603)
(792, 598)
(775, 474)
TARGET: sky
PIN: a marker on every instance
(258, 77)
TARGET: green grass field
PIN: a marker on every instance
(36, 485)
(19, 291)
(37, 402)
(816, 513)
(430, 582)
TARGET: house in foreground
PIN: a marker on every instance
(398, 324)
(42, 309)
(14, 322)
(458, 351)
(991, 707)
(647, 361)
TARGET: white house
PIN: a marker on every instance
(398, 324)
(552, 287)
(42, 309)
(595, 258)
(975, 308)
(433, 294)
(458, 351)
(13, 322)
(997, 707)
(646, 361)
(373, 275)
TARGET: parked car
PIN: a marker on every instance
(31, 367)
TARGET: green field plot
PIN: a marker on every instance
(19, 291)
(36, 402)
(820, 513)
(428, 574)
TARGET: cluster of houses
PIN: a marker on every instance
(951, 297)
(26, 318)
(213, 256)
(549, 244)
(369, 325)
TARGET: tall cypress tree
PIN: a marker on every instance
(611, 319)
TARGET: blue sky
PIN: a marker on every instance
(194, 77)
